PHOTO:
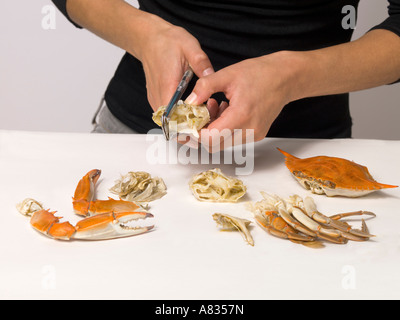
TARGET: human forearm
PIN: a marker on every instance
(259, 88)
(371, 61)
(115, 21)
(164, 50)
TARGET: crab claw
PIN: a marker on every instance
(84, 192)
(101, 227)
(110, 226)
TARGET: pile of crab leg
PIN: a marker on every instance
(104, 219)
(299, 220)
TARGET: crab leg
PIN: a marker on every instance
(320, 230)
(338, 240)
(313, 225)
(275, 225)
(304, 220)
(350, 214)
(101, 227)
(280, 206)
(311, 211)
(364, 227)
(295, 223)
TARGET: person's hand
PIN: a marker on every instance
(166, 51)
(257, 90)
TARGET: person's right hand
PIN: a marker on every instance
(166, 51)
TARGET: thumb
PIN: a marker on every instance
(205, 87)
(199, 61)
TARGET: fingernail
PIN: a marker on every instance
(208, 71)
(192, 98)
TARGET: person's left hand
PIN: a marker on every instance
(257, 90)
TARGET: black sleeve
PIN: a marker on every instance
(392, 23)
(62, 6)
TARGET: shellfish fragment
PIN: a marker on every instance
(333, 176)
(186, 118)
(231, 223)
(298, 220)
(29, 206)
(104, 219)
(215, 186)
(139, 187)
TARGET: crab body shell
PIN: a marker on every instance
(333, 176)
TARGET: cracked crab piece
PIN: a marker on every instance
(231, 223)
(214, 186)
(139, 187)
(29, 206)
(186, 118)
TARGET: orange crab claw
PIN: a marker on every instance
(110, 226)
(101, 227)
(84, 192)
(81, 207)
(111, 206)
(85, 188)
(333, 176)
(84, 205)
(109, 218)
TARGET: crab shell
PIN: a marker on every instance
(99, 227)
(186, 118)
(229, 223)
(333, 176)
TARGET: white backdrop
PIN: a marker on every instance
(52, 80)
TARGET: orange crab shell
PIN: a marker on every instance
(108, 219)
(112, 205)
(99, 227)
(47, 223)
(85, 188)
(84, 192)
(333, 176)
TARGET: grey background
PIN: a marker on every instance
(52, 80)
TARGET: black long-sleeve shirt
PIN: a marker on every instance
(230, 31)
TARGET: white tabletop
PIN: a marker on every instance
(186, 256)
